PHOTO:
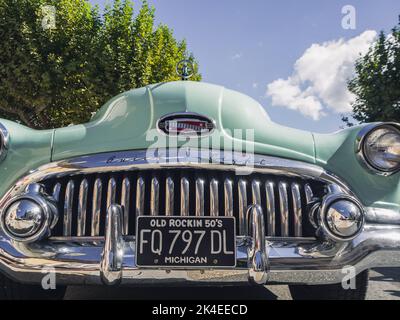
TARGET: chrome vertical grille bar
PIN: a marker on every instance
(140, 188)
(228, 197)
(68, 203)
(270, 198)
(284, 209)
(169, 196)
(255, 190)
(125, 203)
(309, 193)
(82, 207)
(242, 194)
(111, 191)
(214, 198)
(297, 213)
(154, 196)
(184, 197)
(97, 190)
(56, 192)
(199, 197)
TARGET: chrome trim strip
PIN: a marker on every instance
(112, 255)
(184, 196)
(284, 209)
(214, 206)
(270, 199)
(199, 197)
(69, 195)
(125, 203)
(169, 197)
(82, 208)
(154, 196)
(297, 212)
(97, 191)
(242, 194)
(228, 197)
(111, 191)
(140, 188)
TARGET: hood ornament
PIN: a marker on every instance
(185, 69)
(185, 124)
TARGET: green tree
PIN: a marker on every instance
(377, 81)
(51, 77)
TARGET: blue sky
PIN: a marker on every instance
(249, 45)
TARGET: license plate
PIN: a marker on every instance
(185, 242)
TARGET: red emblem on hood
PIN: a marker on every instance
(185, 124)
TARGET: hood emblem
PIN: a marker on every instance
(185, 69)
(186, 124)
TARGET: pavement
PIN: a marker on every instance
(384, 285)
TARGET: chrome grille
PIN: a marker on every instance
(83, 199)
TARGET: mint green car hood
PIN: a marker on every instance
(124, 122)
(128, 122)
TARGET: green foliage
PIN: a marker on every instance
(377, 81)
(51, 77)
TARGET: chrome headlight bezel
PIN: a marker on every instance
(359, 220)
(360, 146)
(34, 193)
(4, 142)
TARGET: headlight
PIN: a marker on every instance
(4, 139)
(380, 148)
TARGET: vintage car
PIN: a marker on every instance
(191, 183)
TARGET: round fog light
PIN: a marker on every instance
(342, 217)
(30, 216)
(23, 218)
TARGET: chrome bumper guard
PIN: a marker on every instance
(260, 260)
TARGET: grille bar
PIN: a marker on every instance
(199, 197)
(111, 192)
(140, 186)
(284, 209)
(184, 197)
(98, 186)
(214, 198)
(206, 193)
(169, 196)
(255, 188)
(297, 212)
(154, 197)
(82, 206)
(56, 191)
(228, 196)
(270, 200)
(69, 197)
(242, 194)
(125, 203)
(309, 193)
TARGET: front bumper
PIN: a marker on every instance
(303, 261)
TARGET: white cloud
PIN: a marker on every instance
(236, 56)
(319, 80)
